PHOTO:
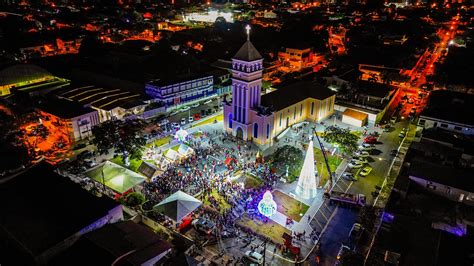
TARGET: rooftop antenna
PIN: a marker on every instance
(248, 32)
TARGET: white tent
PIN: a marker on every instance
(172, 155)
(161, 162)
(184, 150)
(178, 205)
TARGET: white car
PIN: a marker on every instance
(183, 121)
(362, 153)
(254, 257)
(163, 122)
(366, 145)
(360, 159)
(349, 176)
(175, 125)
(366, 171)
(355, 164)
(195, 105)
(190, 119)
(356, 231)
(207, 102)
(186, 108)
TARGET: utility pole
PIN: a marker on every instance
(103, 178)
(264, 251)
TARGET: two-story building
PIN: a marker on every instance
(177, 92)
(70, 117)
(296, 59)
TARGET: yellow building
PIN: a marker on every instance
(260, 118)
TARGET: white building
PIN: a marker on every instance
(449, 110)
(176, 92)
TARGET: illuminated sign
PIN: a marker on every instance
(267, 206)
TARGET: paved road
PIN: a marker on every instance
(342, 220)
(194, 110)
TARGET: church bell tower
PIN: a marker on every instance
(247, 68)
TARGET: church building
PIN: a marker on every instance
(260, 118)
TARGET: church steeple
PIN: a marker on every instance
(247, 52)
(247, 67)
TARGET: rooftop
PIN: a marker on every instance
(456, 177)
(176, 80)
(64, 108)
(375, 89)
(40, 208)
(22, 73)
(247, 53)
(450, 106)
(102, 98)
(355, 114)
(293, 93)
(105, 245)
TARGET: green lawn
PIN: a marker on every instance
(197, 134)
(160, 142)
(175, 148)
(223, 204)
(268, 229)
(289, 206)
(252, 181)
(210, 120)
(134, 163)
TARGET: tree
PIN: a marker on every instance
(123, 136)
(342, 138)
(133, 199)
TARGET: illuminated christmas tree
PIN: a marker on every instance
(307, 182)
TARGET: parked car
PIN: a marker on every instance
(362, 153)
(356, 232)
(393, 152)
(208, 101)
(254, 257)
(80, 146)
(365, 147)
(85, 154)
(355, 164)
(359, 159)
(197, 117)
(370, 139)
(203, 225)
(366, 171)
(402, 133)
(186, 108)
(190, 119)
(349, 176)
(195, 105)
(183, 121)
(163, 122)
(175, 125)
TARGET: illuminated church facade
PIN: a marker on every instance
(259, 118)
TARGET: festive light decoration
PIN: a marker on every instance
(307, 182)
(267, 206)
(181, 135)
